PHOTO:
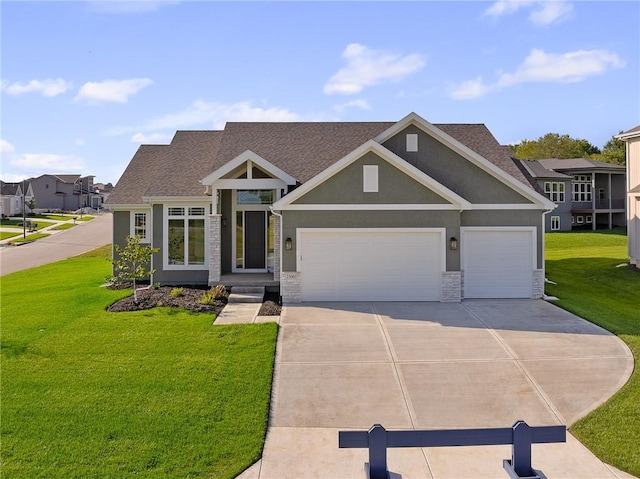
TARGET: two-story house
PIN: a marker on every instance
(632, 138)
(589, 194)
(62, 192)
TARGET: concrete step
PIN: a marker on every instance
(246, 294)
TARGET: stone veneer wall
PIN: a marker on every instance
(538, 284)
(215, 249)
(451, 287)
(277, 251)
(290, 287)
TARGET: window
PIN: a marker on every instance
(186, 236)
(139, 225)
(589, 219)
(370, 178)
(555, 223)
(581, 188)
(412, 142)
(255, 197)
(601, 194)
(554, 191)
(579, 220)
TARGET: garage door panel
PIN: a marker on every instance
(498, 264)
(371, 266)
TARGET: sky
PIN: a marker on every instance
(84, 83)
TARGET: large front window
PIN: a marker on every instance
(186, 235)
(581, 188)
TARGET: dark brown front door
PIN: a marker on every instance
(255, 239)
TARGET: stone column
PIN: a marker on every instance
(215, 248)
(277, 250)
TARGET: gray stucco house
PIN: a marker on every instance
(61, 192)
(386, 211)
(589, 194)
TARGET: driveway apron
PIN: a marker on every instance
(479, 363)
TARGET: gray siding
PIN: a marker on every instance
(369, 219)
(394, 187)
(452, 170)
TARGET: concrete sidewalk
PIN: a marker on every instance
(480, 363)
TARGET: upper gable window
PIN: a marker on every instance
(370, 178)
(412, 142)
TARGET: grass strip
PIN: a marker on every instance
(590, 285)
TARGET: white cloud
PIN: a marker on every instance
(567, 67)
(117, 91)
(368, 67)
(6, 147)
(125, 7)
(47, 87)
(541, 67)
(151, 139)
(40, 163)
(544, 12)
(362, 104)
(551, 12)
(470, 89)
(215, 115)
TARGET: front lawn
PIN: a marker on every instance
(156, 393)
(63, 226)
(29, 238)
(8, 234)
(591, 286)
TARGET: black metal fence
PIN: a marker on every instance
(520, 436)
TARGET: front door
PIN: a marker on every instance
(255, 239)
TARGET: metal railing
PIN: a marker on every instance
(520, 436)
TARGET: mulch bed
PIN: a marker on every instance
(159, 297)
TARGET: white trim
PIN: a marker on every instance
(191, 200)
(405, 207)
(247, 156)
(469, 229)
(235, 208)
(465, 152)
(249, 184)
(165, 239)
(390, 157)
(441, 231)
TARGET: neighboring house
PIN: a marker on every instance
(400, 211)
(11, 198)
(589, 194)
(100, 194)
(632, 138)
(62, 192)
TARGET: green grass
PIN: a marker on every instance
(85, 218)
(156, 393)
(29, 238)
(590, 285)
(63, 226)
(8, 234)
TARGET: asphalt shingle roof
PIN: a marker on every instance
(577, 164)
(537, 170)
(8, 189)
(301, 149)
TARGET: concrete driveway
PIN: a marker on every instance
(479, 363)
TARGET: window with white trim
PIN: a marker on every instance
(589, 219)
(370, 178)
(555, 223)
(581, 188)
(140, 225)
(186, 236)
(579, 219)
(554, 191)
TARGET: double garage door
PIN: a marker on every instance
(371, 265)
(407, 264)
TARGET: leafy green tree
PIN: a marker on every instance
(614, 151)
(131, 263)
(554, 145)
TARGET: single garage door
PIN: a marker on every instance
(498, 263)
(371, 265)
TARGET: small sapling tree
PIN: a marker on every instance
(131, 263)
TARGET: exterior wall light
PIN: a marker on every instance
(288, 244)
(453, 243)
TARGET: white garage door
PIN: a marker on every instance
(498, 263)
(371, 265)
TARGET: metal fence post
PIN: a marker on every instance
(378, 452)
(521, 450)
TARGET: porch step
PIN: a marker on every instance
(246, 294)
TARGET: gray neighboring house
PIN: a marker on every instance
(62, 192)
(386, 211)
(632, 139)
(589, 194)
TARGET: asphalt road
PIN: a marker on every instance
(61, 245)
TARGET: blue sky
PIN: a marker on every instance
(84, 83)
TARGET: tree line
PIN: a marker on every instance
(554, 145)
